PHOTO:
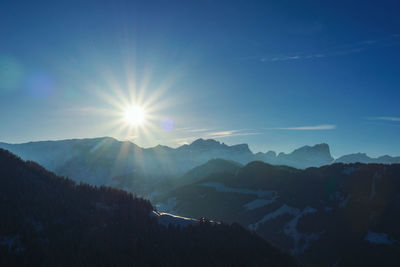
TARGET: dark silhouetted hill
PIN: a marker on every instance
(47, 220)
(211, 167)
(335, 215)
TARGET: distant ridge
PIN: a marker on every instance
(125, 165)
(364, 158)
(198, 152)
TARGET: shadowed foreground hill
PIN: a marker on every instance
(335, 215)
(50, 221)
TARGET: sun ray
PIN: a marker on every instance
(134, 115)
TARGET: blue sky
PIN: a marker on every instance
(274, 74)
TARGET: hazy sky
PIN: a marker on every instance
(274, 74)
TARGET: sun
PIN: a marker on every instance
(134, 115)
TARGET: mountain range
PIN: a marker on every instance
(364, 158)
(146, 171)
(324, 211)
(335, 215)
(51, 221)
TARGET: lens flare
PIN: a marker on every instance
(167, 124)
(40, 84)
(11, 74)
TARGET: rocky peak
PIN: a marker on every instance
(208, 143)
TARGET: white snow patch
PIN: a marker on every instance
(258, 203)
(226, 189)
(166, 219)
(284, 209)
(290, 228)
(380, 238)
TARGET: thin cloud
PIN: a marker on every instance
(342, 50)
(292, 57)
(230, 133)
(221, 133)
(308, 128)
(311, 56)
(385, 118)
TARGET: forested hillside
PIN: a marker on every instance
(340, 213)
(47, 220)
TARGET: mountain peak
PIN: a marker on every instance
(206, 143)
(355, 157)
(214, 144)
(241, 148)
(318, 149)
(307, 156)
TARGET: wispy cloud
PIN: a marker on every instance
(342, 50)
(230, 133)
(384, 118)
(308, 128)
(291, 57)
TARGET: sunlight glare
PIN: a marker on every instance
(134, 115)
